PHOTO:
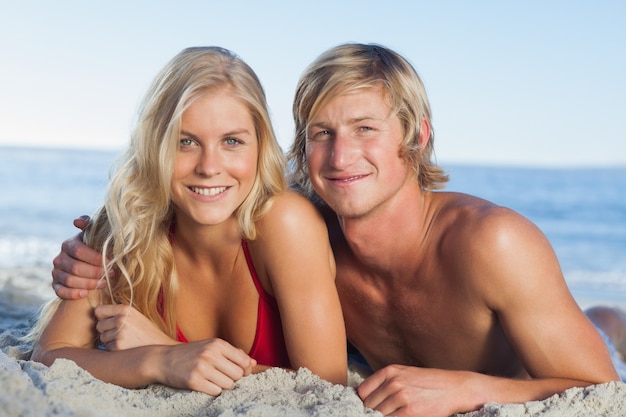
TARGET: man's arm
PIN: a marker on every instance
(511, 267)
(77, 268)
(523, 284)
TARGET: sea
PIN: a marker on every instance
(582, 211)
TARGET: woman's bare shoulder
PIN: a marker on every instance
(290, 209)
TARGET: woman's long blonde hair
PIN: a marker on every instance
(132, 228)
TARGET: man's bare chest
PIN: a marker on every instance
(419, 325)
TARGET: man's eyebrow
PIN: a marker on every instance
(320, 123)
(364, 117)
(352, 120)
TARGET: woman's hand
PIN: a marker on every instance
(123, 327)
(208, 366)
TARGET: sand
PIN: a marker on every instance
(32, 389)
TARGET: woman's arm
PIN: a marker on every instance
(298, 261)
(207, 366)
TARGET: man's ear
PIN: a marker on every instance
(424, 136)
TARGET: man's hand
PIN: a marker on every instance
(77, 268)
(405, 391)
(123, 327)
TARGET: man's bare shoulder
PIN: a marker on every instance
(475, 234)
(462, 216)
(491, 245)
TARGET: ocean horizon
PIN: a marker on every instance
(581, 210)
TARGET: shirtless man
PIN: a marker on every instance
(453, 301)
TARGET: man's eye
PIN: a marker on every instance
(321, 134)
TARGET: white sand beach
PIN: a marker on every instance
(32, 389)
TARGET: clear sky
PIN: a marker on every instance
(534, 82)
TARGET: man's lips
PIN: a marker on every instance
(345, 178)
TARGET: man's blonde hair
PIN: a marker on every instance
(352, 67)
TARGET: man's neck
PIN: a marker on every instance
(392, 232)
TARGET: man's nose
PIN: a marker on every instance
(343, 150)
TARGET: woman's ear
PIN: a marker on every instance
(424, 135)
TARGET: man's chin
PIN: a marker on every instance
(347, 211)
(341, 206)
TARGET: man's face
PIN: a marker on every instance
(352, 152)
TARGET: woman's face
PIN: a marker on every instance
(216, 160)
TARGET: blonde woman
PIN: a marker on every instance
(205, 245)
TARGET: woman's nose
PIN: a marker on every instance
(209, 164)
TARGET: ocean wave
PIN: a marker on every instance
(24, 251)
(23, 290)
(26, 285)
(595, 279)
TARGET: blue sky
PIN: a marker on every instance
(536, 83)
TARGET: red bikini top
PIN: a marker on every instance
(268, 347)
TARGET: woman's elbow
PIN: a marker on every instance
(42, 355)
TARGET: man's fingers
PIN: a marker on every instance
(379, 391)
(82, 222)
(71, 272)
(372, 383)
(71, 287)
(77, 250)
(62, 278)
(69, 293)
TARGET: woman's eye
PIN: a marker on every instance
(232, 141)
(185, 142)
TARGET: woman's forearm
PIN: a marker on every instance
(131, 368)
